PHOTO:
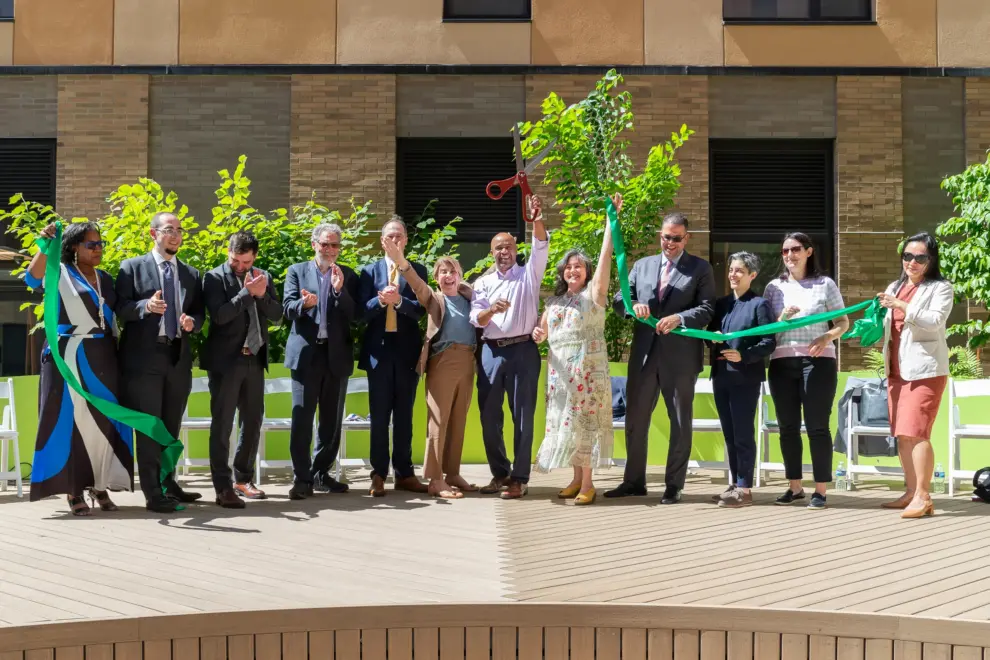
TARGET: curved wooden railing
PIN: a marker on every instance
(505, 632)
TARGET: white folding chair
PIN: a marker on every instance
(355, 385)
(272, 386)
(963, 389)
(200, 386)
(8, 436)
(768, 426)
(707, 387)
(853, 432)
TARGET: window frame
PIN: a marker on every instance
(450, 15)
(815, 18)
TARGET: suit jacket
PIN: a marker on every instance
(300, 349)
(690, 293)
(136, 283)
(436, 307)
(408, 341)
(732, 315)
(228, 302)
(923, 351)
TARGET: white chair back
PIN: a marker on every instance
(10, 470)
(278, 386)
(962, 389)
(705, 386)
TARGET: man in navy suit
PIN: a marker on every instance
(392, 343)
(321, 302)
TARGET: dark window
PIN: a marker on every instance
(763, 189)
(6, 10)
(26, 166)
(487, 10)
(797, 11)
(455, 171)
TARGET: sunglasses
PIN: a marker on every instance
(328, 245)
(797, 249)
(672, 239)
(908, 257)
(92, 245)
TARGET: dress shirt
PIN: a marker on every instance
(521, 287)
(388, 269)
(159, 260)
(323, 300)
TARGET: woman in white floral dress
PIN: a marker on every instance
(579, 390)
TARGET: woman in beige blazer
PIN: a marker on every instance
(917, 363)
(447, 359)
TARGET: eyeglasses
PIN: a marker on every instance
(797, 249)
(172, 231)
(672, 239)
(908, 257)
(327, 245)
(92, 245)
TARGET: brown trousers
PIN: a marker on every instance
(449, 388)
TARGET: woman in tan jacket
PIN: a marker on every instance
(448, 361)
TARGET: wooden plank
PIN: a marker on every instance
(879, 649)
(766, 646)
(503, 643)
(582, 643)
(213, 648)
(12, 655)
(608, 643)
(241, 647)
(185, 649)
(451, 644)
(320, 645)
(530, 643)
(99, 652)
(793, 647)
(373, 644)
(821, 647)
(347, 644)
(40, 654)
(907, 650)
(739, 645)
(687, 645)
(294, 646)
(967, 653)
(400, 643)
(426, 643)
(659, 644)
(847, 648)
(268, 646)
(634, 644)
(477, 643)
(161, 649)
(65, 653)
(556, 643)
(936, 651)
(127, 651)
(713, 645)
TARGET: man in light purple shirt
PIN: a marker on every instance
(507, 305)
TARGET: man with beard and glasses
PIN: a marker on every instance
(159, 303)
(242, 302)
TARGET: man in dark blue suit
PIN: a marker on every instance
(392, 343)
(321, 302)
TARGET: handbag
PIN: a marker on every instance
(872, 399)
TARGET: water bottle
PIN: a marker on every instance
(840, 477)
(939, 480)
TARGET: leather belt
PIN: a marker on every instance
(162, 339)
(321, 341)
(508, 341)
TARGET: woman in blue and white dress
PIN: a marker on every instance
(78, 449)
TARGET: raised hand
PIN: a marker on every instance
(392, 250)
(336, 277)
(49, 231)
(257, 284)
(155, 304)
(309, 299)
(617, 201)
(535, 208)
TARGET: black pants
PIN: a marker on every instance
(736, 403)
(391, 397)
(806, 383)
(315, 385)
(159, 385)
(239, 387)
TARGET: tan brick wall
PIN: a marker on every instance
(458, 106)
(28, 106)
(772, 107)
(102, 139)
(870, 192)
(342, 140)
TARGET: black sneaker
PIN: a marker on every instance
(817, 501)
(300, 491)
(327, 484)
(789, 497)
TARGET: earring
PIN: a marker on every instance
(75, 258)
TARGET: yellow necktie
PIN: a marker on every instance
(391, 321)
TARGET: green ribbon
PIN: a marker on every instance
(869, 329)
(151, 426)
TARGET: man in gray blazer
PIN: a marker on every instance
(678, 289)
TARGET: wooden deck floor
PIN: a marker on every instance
(351, 549)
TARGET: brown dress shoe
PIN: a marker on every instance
(250, 491)
(377, 486)
(411, 484)
(515, 490)
(494, 486)
(228, 499)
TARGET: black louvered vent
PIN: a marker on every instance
(456, 171)
(26, 166)
(762, 189)
(6, 10)
(487, 10)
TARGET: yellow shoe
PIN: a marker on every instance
(585, 498)
(569, 493)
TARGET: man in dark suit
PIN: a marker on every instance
(391, 348)
(242, 302)
(678, 289)
(159, 303)
(321, 302)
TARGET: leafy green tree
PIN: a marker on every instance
(588, 164)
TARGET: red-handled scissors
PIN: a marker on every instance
(497, 189)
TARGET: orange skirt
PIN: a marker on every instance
(913, 405)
